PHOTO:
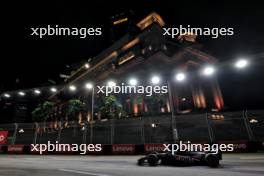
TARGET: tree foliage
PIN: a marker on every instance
(42, 112)
(73, 108)
(111, 108)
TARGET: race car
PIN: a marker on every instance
(181, 159)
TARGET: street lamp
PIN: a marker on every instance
(7, 95)
(88, 85)
(155, 80)
(21, 93)
(208, 71)
(53, 89)
(87, 66)
(241, 63)
(36, 91)
(133, 81)
(72, 88)
(111, 83)
(180, 77)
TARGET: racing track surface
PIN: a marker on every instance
(58, 165)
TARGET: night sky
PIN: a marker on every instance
(28, 61)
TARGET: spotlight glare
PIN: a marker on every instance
(72, 88)
(36, 91)
(87, 65)
(21, 93)
(7, 95)
(209, 70)
(111, 83)
(155, 80)
(53, 89)
(133, 82)
(180, 77)
(242, 63)
(88, 86)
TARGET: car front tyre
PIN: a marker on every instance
(152, 160)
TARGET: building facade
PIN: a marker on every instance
(141, 54)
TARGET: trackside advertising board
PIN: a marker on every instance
(3, 137)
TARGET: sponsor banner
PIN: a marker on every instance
(123, 149)
(148, 148)
(15, 148)
(3, 137)
(239, 146)
(1, 149)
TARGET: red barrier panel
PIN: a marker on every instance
(3, 137)
(239, 146)
(148, 148)
(15, 148)
(123, 149)
(98, 149)
(1, 149)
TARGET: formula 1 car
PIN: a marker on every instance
(181, 159)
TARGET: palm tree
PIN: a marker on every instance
(155, 103)
(73, 109)
(42, 112)
(111, 108)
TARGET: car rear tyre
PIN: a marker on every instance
(212, 161)
(152, 160)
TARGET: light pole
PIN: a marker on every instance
(92, 116)
(91, 87)
(180, 77)
(175, 135)
(156, 80)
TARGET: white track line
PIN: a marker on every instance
(84, 173)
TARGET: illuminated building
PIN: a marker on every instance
(149, 51)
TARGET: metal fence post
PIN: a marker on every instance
(36, 133)
(91, 132)
(85, 132)
(142, 131)
(74, 128)
(59, 132)
(247, 125)
(210, 130)
(112, 131)
(15, 133)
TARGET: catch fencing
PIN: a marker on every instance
(205, 127)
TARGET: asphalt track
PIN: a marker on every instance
(58, 165)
